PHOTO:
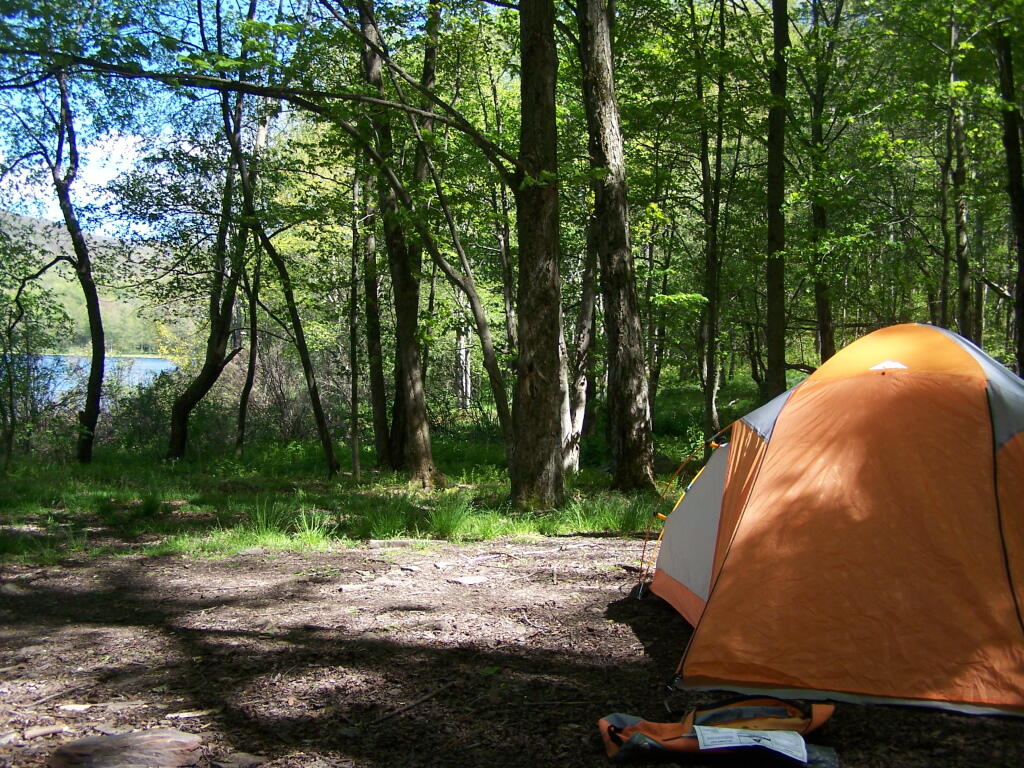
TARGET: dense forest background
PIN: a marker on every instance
(560, 229)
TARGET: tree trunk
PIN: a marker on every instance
(316, 405)
(353, 332)
(629, 418)
(89, 416)
(374, 353)
(253, 292)
(775, 273)
(229, 264)
(711, 195)
(823, 47)
(581, 364)
(1012, 130)
(945, 204)
(227, 273)
(256, 226)
(67, 139)
(410, 446)
(965, 323)
(499, 206)
(463, 365)
(502, 230)
(536, 468)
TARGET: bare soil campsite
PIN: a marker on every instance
(398, 654)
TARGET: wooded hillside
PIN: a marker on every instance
(544, 218)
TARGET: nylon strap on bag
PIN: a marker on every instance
(630, 738)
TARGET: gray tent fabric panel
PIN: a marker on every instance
(1005, 391)
(763, 419)
(688, 547)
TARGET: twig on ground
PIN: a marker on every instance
(58, 694)
(416, 703)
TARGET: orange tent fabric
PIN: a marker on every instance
(870, 537)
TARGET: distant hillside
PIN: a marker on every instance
(131, 328)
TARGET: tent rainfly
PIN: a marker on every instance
(861, 537)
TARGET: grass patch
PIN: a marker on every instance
(601, 513)
(278, 498)
(450, 517)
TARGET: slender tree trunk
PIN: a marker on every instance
(775, 274)
(502, 230)
(253, 292)
(431, 308)
(463, 361)
(946, 203)
(629, 418)
(499, 205)
(965, 323)
(89, 416)
(711, 195)
(536, 467)
(1012, 130)
(316, 405)
(250, 211)
(227, 273)
(374, 352)
(353, 332)
(581, 364)
(825, 334)
(823, 48)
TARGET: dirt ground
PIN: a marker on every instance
(501, 654)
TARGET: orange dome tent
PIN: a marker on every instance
(861, 537)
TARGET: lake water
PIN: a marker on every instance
(135, 370)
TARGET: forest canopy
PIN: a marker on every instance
(376, 220)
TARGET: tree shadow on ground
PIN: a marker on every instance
(318, 693)
(311, 691)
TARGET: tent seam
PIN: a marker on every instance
(999, 515)
(732, 538)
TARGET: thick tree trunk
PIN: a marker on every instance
(410, 446)
(1012, 130)
(536, 467)
(775, 273)
(629, 418)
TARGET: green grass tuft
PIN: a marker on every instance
(450, 517)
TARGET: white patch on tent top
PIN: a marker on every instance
(886, 365)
